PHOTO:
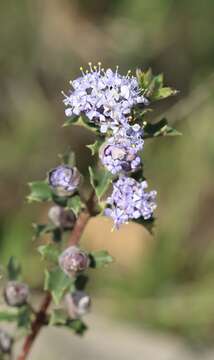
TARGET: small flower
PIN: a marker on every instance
(78, 304)
(61, 217)
(64, 180)
(16, 293)
(6, 342)
(105, 97)
(129, 200)
(73, 260)
(120, 152)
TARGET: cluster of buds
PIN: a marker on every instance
(16, 293)
(73, 261)
(6, 342)
(64, 180)
(62, 218)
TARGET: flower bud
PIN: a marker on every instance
(64, 180)
(61, 217)
(16, 293)
(78, 304)
(6, 342)
(73, 260)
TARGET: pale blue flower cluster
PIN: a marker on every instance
(129, 200)
(105, 97)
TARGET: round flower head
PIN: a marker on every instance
(64, 180)
(78, 303)
(6, 342)
(16, 293)
(130, 201)
(61, 217)
(105, 97)
(73, 260)
(120, 152)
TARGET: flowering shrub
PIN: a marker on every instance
(114, 107)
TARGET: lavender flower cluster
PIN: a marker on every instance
(129, 200)
(107, 99)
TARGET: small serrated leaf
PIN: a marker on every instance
(100, 181)
(57, 282)
(42, 229)
(58, 317)
(100, 258)
(75, 204)
(160, 128)
(94, 147)
(49, 252)
(77, 325)
(24, 317)
(40, 191)
(82, 120)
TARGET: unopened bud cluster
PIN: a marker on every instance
(64, 180)
(16, 293)
(61, 217)
(74, 260)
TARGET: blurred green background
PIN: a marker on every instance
(166, 283)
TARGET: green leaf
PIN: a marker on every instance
(75, 204)
(94, 147)
(100, 258)
(58, 317)
(160, 128)
(163, 93)
(148, 224)
(24, 317)
(8, 316)
(77, 325)
(57, 282)
(42, 229)
(49, 252)
(100, 181)
(40, 191)
(14, 269)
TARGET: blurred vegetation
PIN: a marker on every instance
(166, 283)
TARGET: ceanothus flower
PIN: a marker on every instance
(64, 180)
(129, 200)
(120, 152)
(105, 97)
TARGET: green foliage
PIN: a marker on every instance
(160, 128)
(95, 147)
(42, 229)
(81, 121)
(77, 325)
(100, 258)
(13, 269)
(9, 316)
(39, 191)
(57, 282)
(75, 204)
(100, 180)
(49, 252)
(24, 317)
(148, 224)
(58, 317)
(153, 85)
(68, 158)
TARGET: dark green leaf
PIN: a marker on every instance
(100, 181)
(81, 281)
(148, 224)
(100, 258)
(57, 235)
(13, 269)
(77, 325)
(160, 128)
(42, 229)
(24, 317)
(75, 204)
(81, 121)
(57, 282)
(49, 252)
(40, 191)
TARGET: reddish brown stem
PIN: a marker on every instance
(41, 314)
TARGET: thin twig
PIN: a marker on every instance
(41, 314)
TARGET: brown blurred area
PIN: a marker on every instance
(43, 44)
